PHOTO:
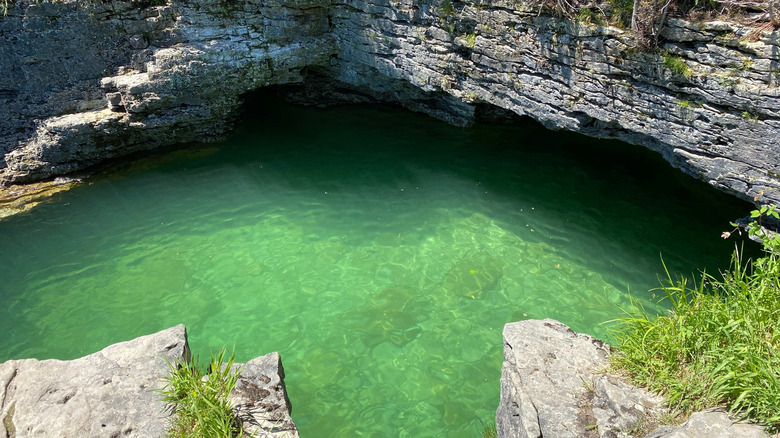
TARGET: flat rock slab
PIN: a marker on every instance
(108, 393)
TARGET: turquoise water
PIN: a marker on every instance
(379, 251)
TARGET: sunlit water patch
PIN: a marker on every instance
(379, 251)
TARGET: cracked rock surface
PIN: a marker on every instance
(113, 393)
(556, 383)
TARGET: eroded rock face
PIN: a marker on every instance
(95, 80)
(92, 80)
(556, 383)
(708, 101)
(260, 398)
(114, 392)
(551, 386)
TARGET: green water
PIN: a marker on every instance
(379, 251)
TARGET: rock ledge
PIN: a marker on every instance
(556, 383)
(112, 392)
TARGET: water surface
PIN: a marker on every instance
(379, 251)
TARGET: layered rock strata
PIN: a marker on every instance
(556, 383)
(88, 81)
(115, 392)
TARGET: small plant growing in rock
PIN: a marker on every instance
(471, 39)
(677, 65)
(199, 400)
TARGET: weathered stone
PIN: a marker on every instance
(115, 392)
(260, 398)
(547, 374)
(710, 424)
(556, 384)
(108, 393)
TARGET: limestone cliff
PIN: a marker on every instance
(89, 81)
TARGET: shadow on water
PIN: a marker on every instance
(622, 199)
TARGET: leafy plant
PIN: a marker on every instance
(199, 399)
(447, 9)
(621, 12)
(719, 345)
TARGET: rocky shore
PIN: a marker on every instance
(554, 383)
(115, 392)
(558, 383)
(89, 81)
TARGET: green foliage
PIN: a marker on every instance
(489, 428)
(489, 431)
(588, 15)
(677, 65)
(621, 12)
(719, 345)
(447, 9)
(471, 39)
(683, 103)
(747, 115)
(200, 401)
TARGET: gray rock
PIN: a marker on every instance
(710, 424)
(114, 392)
(108, 393)
(555, 383)
(547, 374)
(260, 398)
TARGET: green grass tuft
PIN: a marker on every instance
(719, 345)
(489, 431)
(199, 400)
(677, 65)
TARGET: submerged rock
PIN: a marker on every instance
(114, 392)
(555, 383)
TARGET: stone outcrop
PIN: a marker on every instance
(113, 392)
(93, 80)
(556, 383)
(260, 398)
(709, 424)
